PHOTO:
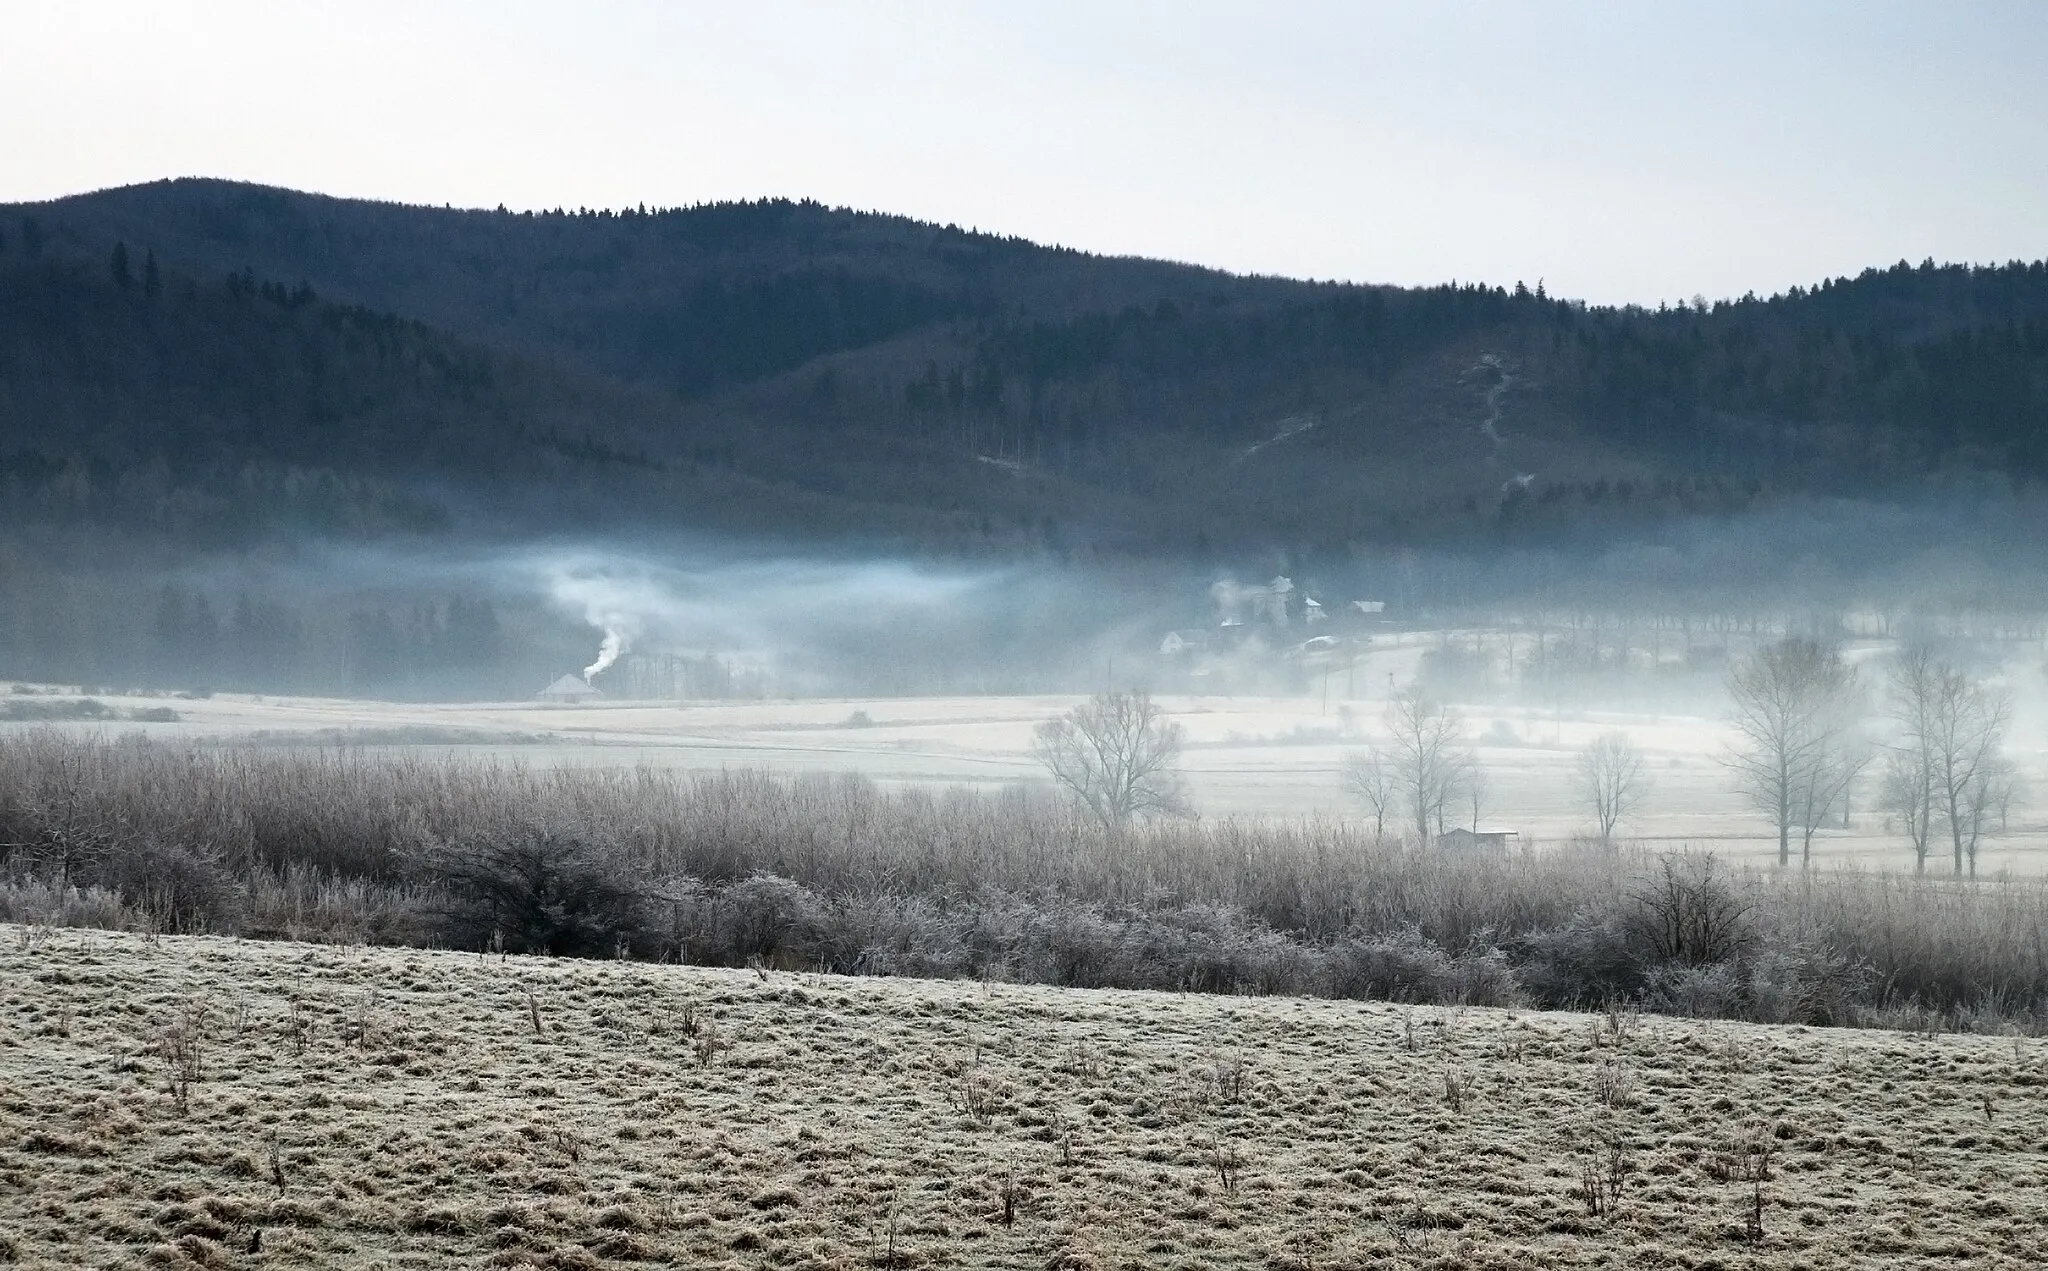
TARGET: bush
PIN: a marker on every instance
(536, 889)
(1686, 912)
(732, 867)
(767, 919)
(1812, 984)
(1585, 963)
(180, 887)
(1394, 966)
(1696, 992)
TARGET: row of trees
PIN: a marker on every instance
(1115, 755)
(1800, 709)
(1424, 773)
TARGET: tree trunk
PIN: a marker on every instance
(1784, 825)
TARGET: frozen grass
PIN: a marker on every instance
(196, 1101)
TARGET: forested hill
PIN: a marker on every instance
(821, 371)
(216, 412)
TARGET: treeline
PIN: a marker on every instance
(831, 873)
(118, 631)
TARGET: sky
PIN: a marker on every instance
(1621, 152)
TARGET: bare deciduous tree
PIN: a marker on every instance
(1988, 798)
(1908, 787)
(1826, 783)
(1796, 707)
(1906, 791)
(1115, 753)
(1689, 912)
(1370, 779)
(1948, 767)
(1428, 763)
(1610, 780)
(1473, 786)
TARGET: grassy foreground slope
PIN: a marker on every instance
(210, 1102)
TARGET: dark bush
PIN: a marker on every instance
(767, 919)
(1589, 961)
(1686, 911)
(180, 887)
(537, 889)
(1395, 966)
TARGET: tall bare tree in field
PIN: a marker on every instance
(1427, 760)
(1473, 786)
(1115, 753)
(1796, 706)
(1908, 789)
(1948, 766)
(1826, 784)
(1370, 779)
(1610, 781)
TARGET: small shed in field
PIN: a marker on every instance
(1486, 840)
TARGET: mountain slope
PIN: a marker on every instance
(1022, 393)
(216, 412)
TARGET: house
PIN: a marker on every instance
(569, 690)
(1178, 643)
(1485, 840)
(1271, 603)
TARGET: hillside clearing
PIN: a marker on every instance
(197, 1101)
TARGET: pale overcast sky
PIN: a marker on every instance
(1623, 151)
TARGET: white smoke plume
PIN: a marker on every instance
(615, 643)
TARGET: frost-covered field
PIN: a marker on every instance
(1247, 756)
(193, 1101)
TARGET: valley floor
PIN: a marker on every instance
(1251, 757)
(208, 1102)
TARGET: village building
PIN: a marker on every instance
(569, 690)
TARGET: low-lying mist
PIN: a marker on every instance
(1643, 616)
